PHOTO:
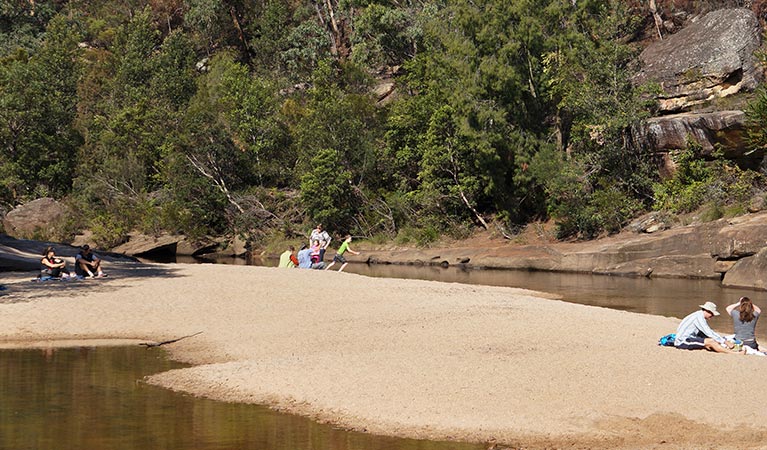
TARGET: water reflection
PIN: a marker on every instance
(93, 399)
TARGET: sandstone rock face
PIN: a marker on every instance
(712, 58)
(726, 246)
(36, 218)
(725, 128)
(140, 244)
(748, 272)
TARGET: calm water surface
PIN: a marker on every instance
(94, 399)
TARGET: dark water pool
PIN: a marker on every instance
(94, 399)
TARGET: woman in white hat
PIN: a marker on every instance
(694, 333)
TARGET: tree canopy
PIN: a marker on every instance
(403, 118)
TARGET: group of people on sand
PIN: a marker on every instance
(87, 265)
(312, 256)
(694, 333)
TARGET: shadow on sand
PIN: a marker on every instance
(24, 287)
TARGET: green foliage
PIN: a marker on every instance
(385, 34)
(756, 118)
(254, 117)
(22, 24)
(697, 182)
(307, 45)
(326, 191)
(452, 179)
(37, 111)
(580, 207)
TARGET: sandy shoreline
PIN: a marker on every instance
(411, 358)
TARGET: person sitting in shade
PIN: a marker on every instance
(340, 254)
(53, 267)
(87, 264)
(694, 333)
(288, 258)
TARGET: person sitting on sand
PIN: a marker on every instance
(288, 259)
(86, 263)
(305, 259)
(315, 251)
(744, 316)
(694, 333)
(51, 266)
(340, 254)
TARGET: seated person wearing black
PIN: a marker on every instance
(51, 266)
(87, 263)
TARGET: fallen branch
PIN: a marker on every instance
(157, 344)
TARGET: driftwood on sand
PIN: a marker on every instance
(157, 344)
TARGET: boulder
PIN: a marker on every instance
(720, 128)
(141, 244)
(748, 272)
(38, 218)
(711, 58)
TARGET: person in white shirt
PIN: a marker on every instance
(694, 333)
(318, 234)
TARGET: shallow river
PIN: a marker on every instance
(94, 399)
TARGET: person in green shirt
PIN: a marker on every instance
(340, 254)
(288, 259)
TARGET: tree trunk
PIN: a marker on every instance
(657, 18)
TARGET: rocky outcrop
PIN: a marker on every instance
(711, 58)
(723, 128)
(748, 272)
(727, 246)
(175, 244)
(34, 219)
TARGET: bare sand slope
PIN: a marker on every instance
(412, 358)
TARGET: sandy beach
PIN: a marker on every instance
(410, 358)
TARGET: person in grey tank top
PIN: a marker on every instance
(744, 316)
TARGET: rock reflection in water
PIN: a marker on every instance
(93, 399)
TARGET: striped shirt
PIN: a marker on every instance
(695, 325)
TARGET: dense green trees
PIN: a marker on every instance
(250, 117)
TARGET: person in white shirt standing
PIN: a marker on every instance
(318, 234)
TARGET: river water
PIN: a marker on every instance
(94, 398)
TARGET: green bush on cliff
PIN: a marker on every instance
(719, 184)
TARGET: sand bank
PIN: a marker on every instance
(411, 358)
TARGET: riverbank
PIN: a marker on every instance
(730, 250)
(408, 357)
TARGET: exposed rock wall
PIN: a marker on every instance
(735, 247)
(37, 218)
(711, 58)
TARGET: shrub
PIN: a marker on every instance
(720, 185)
